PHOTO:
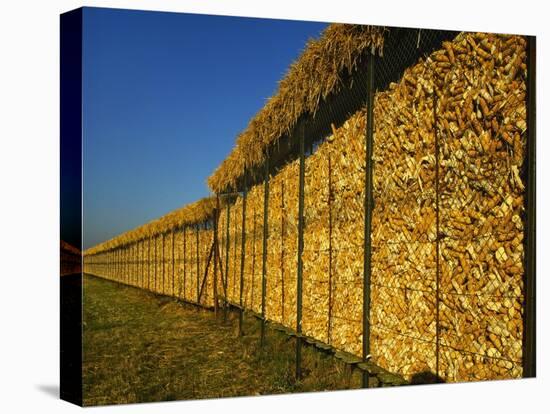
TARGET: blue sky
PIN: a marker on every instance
(164, 96)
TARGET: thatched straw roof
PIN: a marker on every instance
(192, 213)
(310, 79)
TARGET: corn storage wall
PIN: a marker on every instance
(447, 288)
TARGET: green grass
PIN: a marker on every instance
(139, 347)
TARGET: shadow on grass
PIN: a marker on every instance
(51, 390)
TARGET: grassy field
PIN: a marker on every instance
(139, 347)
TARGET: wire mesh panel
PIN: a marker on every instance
(403, 282)
(316, 255)
(235, 258)
(178, 262)
(482, 124)
(187, 265)
(192, 268)
(149, 261)
(253, 252)
(275, 243)
(207, 241)
(224, 238)
(169, 266)
(135, 264)
(282, 246)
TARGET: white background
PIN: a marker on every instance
(29, 206)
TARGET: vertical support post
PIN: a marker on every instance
(282, 252)
(264, 245)
(126, 266)
(234, 267)
(163, 290)
(300, 251)
(227, 241)
(156, 265)
(136, 267)
(243, 245)
(529, 336)
(368, 206)
(149, 263)
(184, 260)
(329, 321)
(130, 264)
(216, 213)
(184, 231)
(138, 263)
(437, 239)
(131, 247)
(173, 263)
(121, 264)
(198, 262)
(134, 263)
(253, 258)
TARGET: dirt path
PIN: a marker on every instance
(139, 347)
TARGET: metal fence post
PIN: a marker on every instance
(184, 259)
(133, 263)
(367, 254)
(243, 246)
(253, 258)
(282, 252)
(529, 337)
(216, 212)
(226, 260)
(329, 321)
(138, 263)
(156, 265)
(264, 246)
(173, 263)
(126, 265)
(163, 265)
(300, 251)
(143, 263)
(437, 240)
(149, 264)
(198, 261)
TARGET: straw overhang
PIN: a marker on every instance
(196, 212)
(312, 78)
